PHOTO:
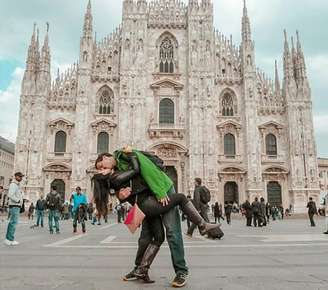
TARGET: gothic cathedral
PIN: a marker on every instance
(166, 81)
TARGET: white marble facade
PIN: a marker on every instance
(166, 81)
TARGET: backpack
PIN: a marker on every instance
(155, 159)
(53, 201)
(205, 195)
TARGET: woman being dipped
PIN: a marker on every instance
(150, 177)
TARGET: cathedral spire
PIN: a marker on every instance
(46, 52)
(87, 28)
(31, 51)
(277, 81)
(300, 58)
(287, 59)
(246, 26)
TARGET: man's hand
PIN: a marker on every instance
(164, 201)
(127, 149)
(124, 193)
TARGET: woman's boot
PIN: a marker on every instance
(194, 216)
(142, 271)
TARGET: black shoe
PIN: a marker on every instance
(130, 276)
(326, 232)
(179, 281)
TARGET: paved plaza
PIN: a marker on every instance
(287, 254)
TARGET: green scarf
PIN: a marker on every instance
(156, 179)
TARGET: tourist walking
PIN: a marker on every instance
(227, 211)
(256, 208)
(217, 210)
(325, 203)
(248, 212)
(39, 208)
(262, 215)
(53, 204)
(312, 210)
(80, 203)
(90, 211)
(200, 201)
(31, 209)
(15, 202)
(268, 212)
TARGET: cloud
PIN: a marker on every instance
(268, 19)
(9, 99)
(320, 124)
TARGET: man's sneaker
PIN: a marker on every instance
(179, 281)
(14, 243)
(130, 276)
(326, 232)
(7, 242)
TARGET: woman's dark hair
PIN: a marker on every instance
(101, 190)
(101, 157)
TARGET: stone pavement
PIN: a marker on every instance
(287, 254)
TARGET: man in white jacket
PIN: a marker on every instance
(326, 212)
(15, 201)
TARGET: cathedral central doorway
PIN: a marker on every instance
(231, 194)
(274, 193)
(60, 184)
(172, 173)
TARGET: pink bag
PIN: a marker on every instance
(134, 218)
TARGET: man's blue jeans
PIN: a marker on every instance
(39, 214)
(53, 220)
(172, 223)
(14, 214)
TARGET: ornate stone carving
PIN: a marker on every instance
(61, 124)
(102, 125)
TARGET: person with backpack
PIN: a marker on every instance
(202, 197)
(228, 207)
(80, 203)
(39, 208)
(312, 210)
(53, 204)
(256, 209)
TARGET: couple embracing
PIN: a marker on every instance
(138, 179)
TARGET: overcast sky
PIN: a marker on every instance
(268, 19)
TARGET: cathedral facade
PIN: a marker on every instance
(166, 81)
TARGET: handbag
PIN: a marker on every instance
(134, 218)
(22, 209)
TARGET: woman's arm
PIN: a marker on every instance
(119, 179)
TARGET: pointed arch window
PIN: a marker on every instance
(166, 56)
(103, 143)
(166, 111)
(105, 102)
(60, 142)
(229, 145)
(271, 145)
(227, 105)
